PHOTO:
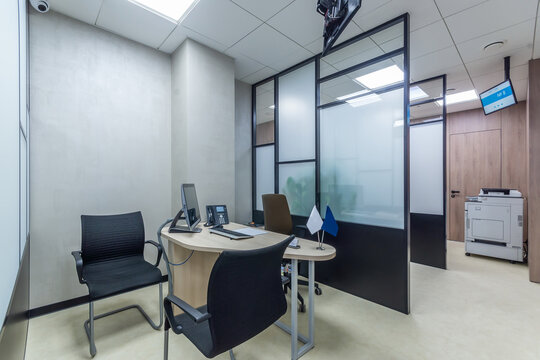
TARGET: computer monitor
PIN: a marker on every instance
(190, 205)
(190, 211)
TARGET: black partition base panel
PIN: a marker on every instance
(428, 240)
(13, 334)
(371, 262)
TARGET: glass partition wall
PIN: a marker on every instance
(341, 126)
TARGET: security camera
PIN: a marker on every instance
(40, 5)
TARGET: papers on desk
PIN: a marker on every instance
(251, 231)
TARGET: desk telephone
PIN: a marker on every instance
(216, 215)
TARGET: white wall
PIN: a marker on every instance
(100, 123)
(10, 129)
(203, 125)
(243, 119)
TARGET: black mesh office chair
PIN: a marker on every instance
(277, 218)
(111, 262)
(244, 298)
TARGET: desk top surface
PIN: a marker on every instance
(205, 241)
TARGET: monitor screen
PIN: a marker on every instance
(190, 205)
(498, 97)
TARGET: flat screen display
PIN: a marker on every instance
(498, 97)
(190, 205)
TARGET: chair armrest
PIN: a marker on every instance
(159, 248)
(79, 265)
(193, 313)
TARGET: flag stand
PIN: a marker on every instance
(320, 247)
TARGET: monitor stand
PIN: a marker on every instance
(180, 228)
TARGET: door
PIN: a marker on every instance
(474, 163)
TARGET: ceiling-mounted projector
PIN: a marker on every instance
(40, 5)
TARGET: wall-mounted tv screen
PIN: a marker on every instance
(498, 97)
(337, 15)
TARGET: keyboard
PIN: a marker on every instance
(229, 233)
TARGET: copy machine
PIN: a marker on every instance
(494, 224)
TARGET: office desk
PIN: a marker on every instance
(190, 281)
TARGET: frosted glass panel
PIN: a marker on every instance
(265, 173)
(297, 182)
(362, 163)
(297, 114)
(23, 195)
(426, 167)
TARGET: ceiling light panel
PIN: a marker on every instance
(173, 9)
(460, 97)
(380, 78)
(417, 93)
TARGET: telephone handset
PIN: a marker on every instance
(216, 215)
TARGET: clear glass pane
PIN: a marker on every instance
(361, 82)
(264, 173)
(297, 114)
(426, 112)
(265, 113)
(427, 91)
(297, 182)
(362, 161)
(363, 50)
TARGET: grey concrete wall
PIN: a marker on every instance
(100, 142)
(243, 120)
(203, 125)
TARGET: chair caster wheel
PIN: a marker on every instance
(512, 262)
(318, 291)
(468, 254)
(302, 308)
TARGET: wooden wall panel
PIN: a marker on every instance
(534, 169)
(471, 121)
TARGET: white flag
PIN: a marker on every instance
(314, 222)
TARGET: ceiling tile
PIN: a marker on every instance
(433, 64)
(134, 22)
(459, 85)
(486, 82)
(234, 22)
(243, 66)
(518, 75)
(264, 10)
(423, 12)
(259, 75)
(369, 6)
(450, 7)
(518, 57)
(489, 17)
(536, 53)
(174, 40)
(299, 22)
(469, 105)
(316, 47)
(429, 39)
(521, 87)
(515, 37)
(271, 48)
(86, 11)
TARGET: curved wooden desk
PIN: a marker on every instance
(190, 281)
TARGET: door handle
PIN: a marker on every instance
(454, 193)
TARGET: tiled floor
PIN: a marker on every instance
(479, 308)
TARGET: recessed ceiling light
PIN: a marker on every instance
(387, 76)
(173, 9)
(358, 93)
(416, 93)
(496, 45)
(364, 100)
(460, 97)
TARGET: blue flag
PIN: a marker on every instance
(330, 225)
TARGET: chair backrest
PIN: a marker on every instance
(245, 295)
(277, 216)
(106, 237)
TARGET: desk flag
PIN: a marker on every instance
(330, 225)
(314, 222)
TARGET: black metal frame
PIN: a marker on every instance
(443, 119)
(402, 51)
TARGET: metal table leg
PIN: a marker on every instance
(309, 342)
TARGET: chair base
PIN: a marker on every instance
(166, 346)
(89, 324)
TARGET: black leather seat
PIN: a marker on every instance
(112, 262)
(244, 298)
